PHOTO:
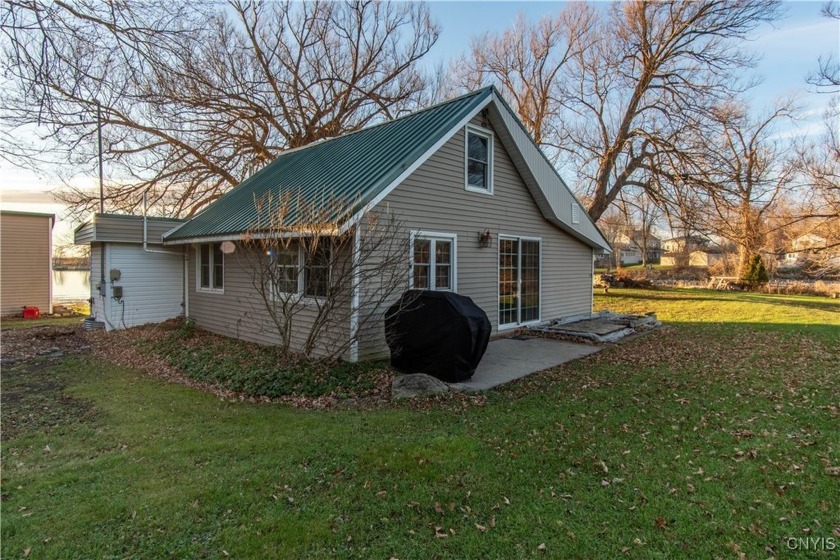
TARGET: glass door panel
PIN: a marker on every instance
(508, 281)
(519, 280)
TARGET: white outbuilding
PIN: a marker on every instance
(134, 280)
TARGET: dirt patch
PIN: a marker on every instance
(22, 345)
(33, 399)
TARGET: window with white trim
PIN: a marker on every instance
(211, 267)
(287, 269)
(316, 270)
(479, 161)
(302, 269)
(433, 262)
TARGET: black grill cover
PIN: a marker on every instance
(438, 333)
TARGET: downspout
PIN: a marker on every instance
(186, 282)
(592, 282)
(354, 300)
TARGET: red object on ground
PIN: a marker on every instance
(31, 312)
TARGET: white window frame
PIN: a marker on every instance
(485, 133)
(435, 236)
(300, 290)
(275, 295)
(302, 274)
(212, 289)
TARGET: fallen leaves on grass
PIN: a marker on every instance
(24, 344)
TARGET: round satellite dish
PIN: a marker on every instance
(228, 247)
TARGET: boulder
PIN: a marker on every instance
(416, 385)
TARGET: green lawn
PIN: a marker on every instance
(713, 438)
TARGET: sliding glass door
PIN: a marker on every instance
(519, 280)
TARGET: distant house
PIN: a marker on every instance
(813, 251)
(704, 258)
(804, 246)
(684, 244)
(483, 213)
(26, 261)
(631, 246)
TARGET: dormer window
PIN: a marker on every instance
(479, 160)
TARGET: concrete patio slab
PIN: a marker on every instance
(507, 359)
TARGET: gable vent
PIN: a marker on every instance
(575, 213)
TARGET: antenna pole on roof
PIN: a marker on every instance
(99, 136)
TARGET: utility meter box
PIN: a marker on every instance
(116, 292)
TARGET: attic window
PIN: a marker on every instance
(575, 213)
(479, 160)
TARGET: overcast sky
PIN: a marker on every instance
(789, 51)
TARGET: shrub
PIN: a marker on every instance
(754, 273)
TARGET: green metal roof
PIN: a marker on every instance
(344, 173)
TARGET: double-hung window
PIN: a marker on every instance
(286, 269)
(316, 270)
(211, 268)
(301, 268)
(479, 160)
(433, 262)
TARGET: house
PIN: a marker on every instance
(704, 258)
(804, 246)
(133, 279)
(481, 211)
(25, 261)
(684, 244)
(633, 244)
(485, 212)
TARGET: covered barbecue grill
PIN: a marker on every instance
(438, 333)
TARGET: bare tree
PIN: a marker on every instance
(614, 225)
(819, 162)
(323, 288)
(194, 97)
(743, 169)
(527, 63)
(827, 77)
(653, 72)
(643, 215)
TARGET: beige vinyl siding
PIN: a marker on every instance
(26, 266)
(84, 234)
(239, 311)
(558, 197)
(434, 199)
(124, 229)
